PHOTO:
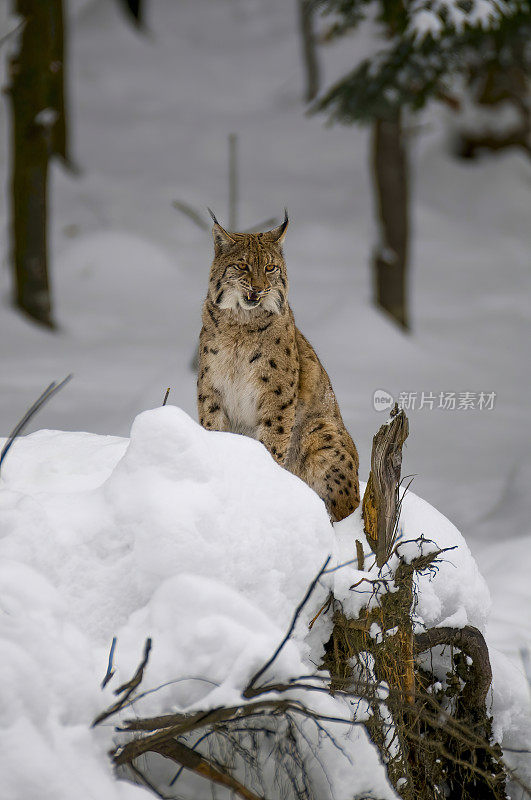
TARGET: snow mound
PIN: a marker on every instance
(455, 595)
(178, 500)
(198, 540)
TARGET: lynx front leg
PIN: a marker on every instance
(209, 405)
(329, 464)
(276, 419)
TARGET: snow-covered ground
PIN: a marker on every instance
(150, 120)
(202, 542)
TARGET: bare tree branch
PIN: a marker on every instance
(193, 761)
(128, 687)
(250, 690)
(470, 640)
(48, 393)
(110, 666)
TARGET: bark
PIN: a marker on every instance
(390, 260)
(379, 507)
(193, 761)
(38, 132)
(470, 640)
(474, 766)
(309, 50)
(60, 139)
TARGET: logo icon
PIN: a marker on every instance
(382, 400)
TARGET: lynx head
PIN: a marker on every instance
(248, 272)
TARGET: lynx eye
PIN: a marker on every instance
(240, 266)
(271, 268)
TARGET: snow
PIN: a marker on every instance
(200, 541)
(196, 539)
(432, 17)
(445, 598)
(150, 119)
(164, 488)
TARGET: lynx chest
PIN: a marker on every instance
(234, 378)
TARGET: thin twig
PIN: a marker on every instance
(134, 769)
(164, 685)
(194, 747)
(326, 605)
(48, 393)
(340, 566)
(249, 691)
(174, 725)
(110, 667)
(128, 687)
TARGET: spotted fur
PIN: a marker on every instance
(260, 377)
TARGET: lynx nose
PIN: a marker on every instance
(253, 295)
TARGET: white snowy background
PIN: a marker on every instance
(150, 119)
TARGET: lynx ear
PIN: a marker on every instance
(222, 240)
(278, 234)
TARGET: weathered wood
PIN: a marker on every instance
(471, 642)
(380, 512)
(473, 765)
(380, 500)
(193, 761)
(394, 662)
(359, 555)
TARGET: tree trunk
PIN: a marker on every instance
(38, 132)
(390, 260)
(309, 52)
(60, 140)
(134, 10)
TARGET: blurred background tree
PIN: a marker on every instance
(306, 11)
(425, 46)
(494, 100)
(39, 133)
(134, 9)
(37, 71)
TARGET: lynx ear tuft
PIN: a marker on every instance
(222, 240)
(278, 234)
(214, 220)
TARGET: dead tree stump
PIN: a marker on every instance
(429, 745)
(380, 501)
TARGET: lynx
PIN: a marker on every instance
(260, 377)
